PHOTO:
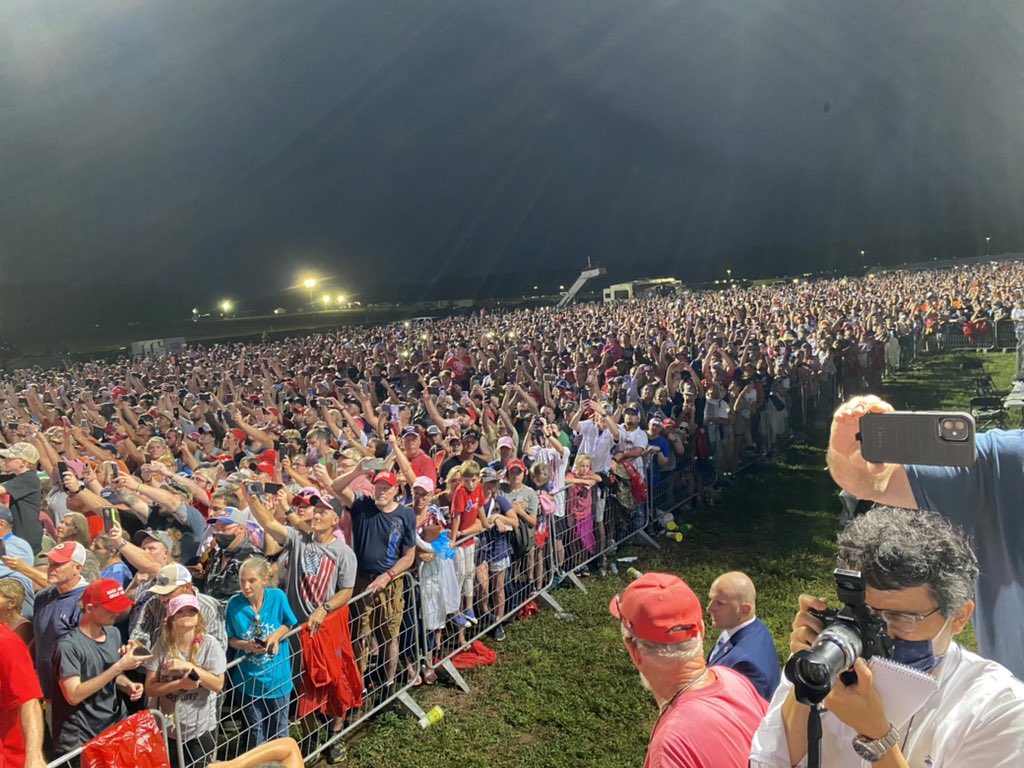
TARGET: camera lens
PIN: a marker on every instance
(813, 672)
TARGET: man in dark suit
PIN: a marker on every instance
(745, 643)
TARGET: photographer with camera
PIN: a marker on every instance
(911, 597)
(983, 498)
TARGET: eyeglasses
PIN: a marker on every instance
(902, 619)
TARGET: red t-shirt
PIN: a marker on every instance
(18, 685)
(467, 504)
(711, 727)
(423, 466)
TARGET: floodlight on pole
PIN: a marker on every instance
(226, 306)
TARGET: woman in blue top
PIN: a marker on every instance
(111, 565)
(257, 620)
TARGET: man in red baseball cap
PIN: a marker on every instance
(91, 669)
(708, 716)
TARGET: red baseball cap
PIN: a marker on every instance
(108, 594)
(659, 608)
(385, 477)
(238, 434)
(67, 552)
(515, 464)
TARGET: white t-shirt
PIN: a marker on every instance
(629, 439)
(557, 464)
(597, 445)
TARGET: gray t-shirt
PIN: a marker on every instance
(82, 657)
(526, 495)
(195, 711)
(316, 571)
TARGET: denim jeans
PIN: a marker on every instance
(267, 719)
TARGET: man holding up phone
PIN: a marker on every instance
(984, 499)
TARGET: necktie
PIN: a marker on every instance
(718, 650)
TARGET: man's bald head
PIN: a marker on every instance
(732, 600)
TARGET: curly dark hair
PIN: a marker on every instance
(901, 548)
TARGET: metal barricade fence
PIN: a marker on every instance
(111, 734)
(320, 702)
(486, 585)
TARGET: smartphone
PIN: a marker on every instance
(115, 470)
(177, 412)
(271, 488)
(204, 397)
(193, 675)
(930, 438)
(141, 650)
(110, 519)
(254, 489)
(62, 467)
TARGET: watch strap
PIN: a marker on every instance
(874, 750)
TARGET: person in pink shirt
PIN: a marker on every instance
(708, 715)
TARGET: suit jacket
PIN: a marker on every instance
(751, 651)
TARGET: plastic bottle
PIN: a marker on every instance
(634, 574)
(676, 536)
(433, 717)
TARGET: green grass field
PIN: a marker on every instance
(565, 694)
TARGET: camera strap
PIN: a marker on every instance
(814, 736)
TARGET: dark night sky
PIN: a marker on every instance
(232, 143)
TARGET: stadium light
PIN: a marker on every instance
(226, 306)
(987, 239)
(195, 310)
(309, 283)
(340, 298)
(326, 299)
(561, 287)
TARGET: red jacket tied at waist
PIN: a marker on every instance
(330, 677)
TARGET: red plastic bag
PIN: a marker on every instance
(136, 742)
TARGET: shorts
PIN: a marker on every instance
(497, 566)
(600, 491)
(465, 567)
(381, 612)
(562, 527)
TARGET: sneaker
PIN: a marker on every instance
(499, 633)
(337, 753)
(470, 616)
(460, 620)
(613, 569)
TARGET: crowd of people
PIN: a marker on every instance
(169, 522)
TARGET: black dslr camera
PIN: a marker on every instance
(849, 632)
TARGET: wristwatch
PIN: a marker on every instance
(874, 750)
(325, 606)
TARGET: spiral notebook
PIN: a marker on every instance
(903, 689)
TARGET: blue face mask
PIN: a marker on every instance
(917, 654)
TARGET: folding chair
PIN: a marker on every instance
(988, 412)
